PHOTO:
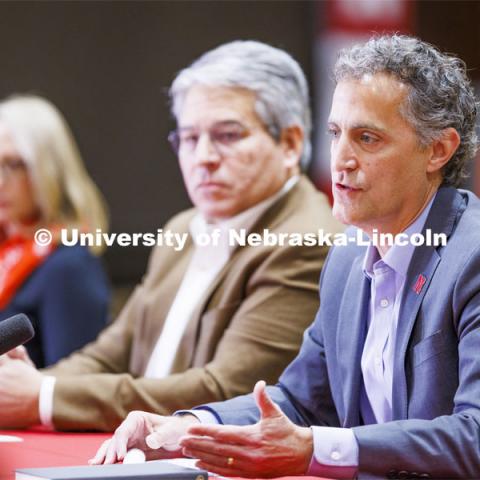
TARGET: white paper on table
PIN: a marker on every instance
(10, 439)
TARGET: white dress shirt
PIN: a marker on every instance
(205, 264)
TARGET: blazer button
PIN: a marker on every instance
(403, 474)
(392, 474)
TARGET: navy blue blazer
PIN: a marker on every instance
(436, 383)
(67, 300)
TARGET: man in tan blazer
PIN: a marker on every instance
(207, 321)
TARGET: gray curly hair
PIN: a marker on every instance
(281, 90)
(440, 94)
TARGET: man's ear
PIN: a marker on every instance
(291, 140)
(443, 149)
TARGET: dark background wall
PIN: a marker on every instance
(454, 27)
(107, 66)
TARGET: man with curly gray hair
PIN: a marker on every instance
(439, 93)
(387, 382)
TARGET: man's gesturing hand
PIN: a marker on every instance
(272, 447)
(157, 436)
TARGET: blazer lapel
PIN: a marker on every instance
(351, 332)
(445, 210)
(186, 348)
(423, 265)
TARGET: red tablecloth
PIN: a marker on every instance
(53, 449)
(46, 449)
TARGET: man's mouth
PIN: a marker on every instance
(342, 187)
(211, 184)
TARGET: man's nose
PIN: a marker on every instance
(206, 152)
(343, 155)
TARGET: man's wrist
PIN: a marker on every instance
(202, 415)
(32, 401)
(306, 440)
(188, 418)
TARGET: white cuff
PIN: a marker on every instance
(45, 401)
(335, 453)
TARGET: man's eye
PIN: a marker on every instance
(333, 132)
(368, 138)
(189, 138)
(229, 136)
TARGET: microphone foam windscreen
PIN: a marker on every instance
(14, 331)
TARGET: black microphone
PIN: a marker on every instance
(15, 331)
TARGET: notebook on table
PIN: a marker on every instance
(155, 470)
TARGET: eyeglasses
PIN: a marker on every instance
(224, 136)
(13, 167)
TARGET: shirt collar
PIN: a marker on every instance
(398, 257)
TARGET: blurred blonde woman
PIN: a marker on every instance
(44, 184)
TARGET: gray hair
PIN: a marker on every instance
(277, 80)
(440, 94)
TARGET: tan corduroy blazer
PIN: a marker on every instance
(248, 327)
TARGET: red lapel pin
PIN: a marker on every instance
(417, 288)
